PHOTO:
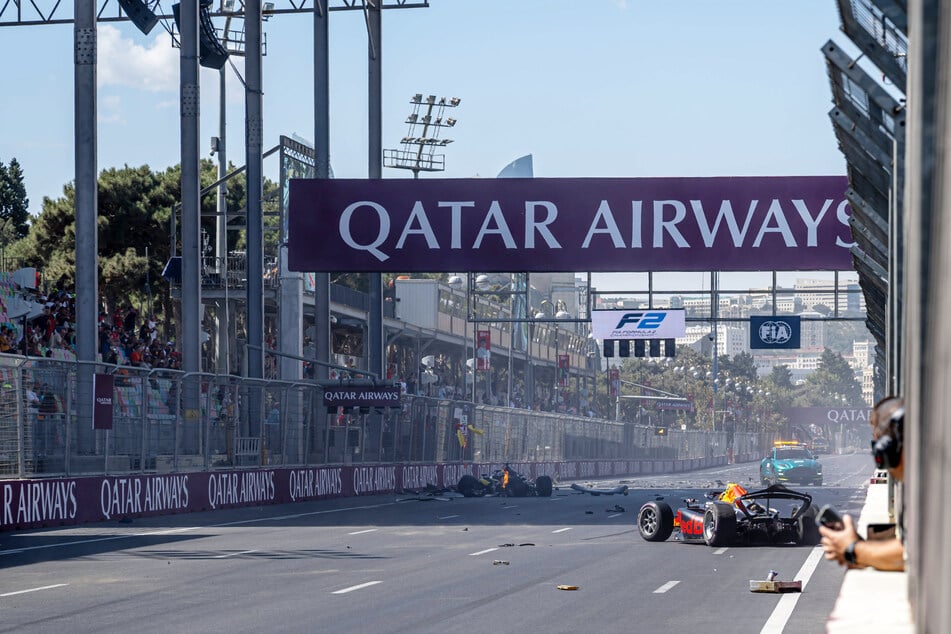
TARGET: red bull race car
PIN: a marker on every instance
(774, 515)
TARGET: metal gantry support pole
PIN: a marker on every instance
(715, 313)
(255, 229)
(377, 356)
(87, 235)
(255, 178)
(190, 344)
(322, 334)
(221, 235)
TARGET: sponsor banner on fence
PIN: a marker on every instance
(102, 407)
(638, 324)
(686, 406)
(578, 224)
(69, 501)
(362, 396)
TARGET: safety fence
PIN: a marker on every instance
(166, 421)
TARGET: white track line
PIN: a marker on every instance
(369, 530)
(719, 551)
(787, 603)
(172, 531)
(356, 587)
(447, 517)
(561, 530)
(243, 552)
(55, 585)
(482, 552)
(667, 586)
(615, 515)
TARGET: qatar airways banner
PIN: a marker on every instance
(570, 224)
(68, 501)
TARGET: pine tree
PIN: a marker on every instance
(14, 205)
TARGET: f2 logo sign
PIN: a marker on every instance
(643, 323)
(641, 320)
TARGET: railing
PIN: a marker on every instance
(166, 421)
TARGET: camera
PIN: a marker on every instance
(829, 517)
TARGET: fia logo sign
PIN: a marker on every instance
(774, 332)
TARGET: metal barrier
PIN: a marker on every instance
(170, 421)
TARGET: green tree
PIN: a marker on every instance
(741, 366)
(14, 205)
(833, 383)
(135, 206)
(781, 377)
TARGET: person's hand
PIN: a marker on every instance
(835, 541)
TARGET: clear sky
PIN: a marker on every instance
(594, 88)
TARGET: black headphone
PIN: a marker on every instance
(887, 449)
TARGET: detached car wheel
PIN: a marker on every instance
(719, 524)
(467, 485)
(655, 521)
(806, 528)
(543, 486)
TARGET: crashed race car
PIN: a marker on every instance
(505, 482)
(735, 517)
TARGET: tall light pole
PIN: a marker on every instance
(456, 284)
(714, 312)
(426, 123)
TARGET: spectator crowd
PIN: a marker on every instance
(125, 338)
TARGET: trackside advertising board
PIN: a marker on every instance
(638, 324)
(570, 224)
(362, 396)
(77, 500)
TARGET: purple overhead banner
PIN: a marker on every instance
(570, 224)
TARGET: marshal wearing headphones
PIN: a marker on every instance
(887, 449)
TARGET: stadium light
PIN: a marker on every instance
(426, 122)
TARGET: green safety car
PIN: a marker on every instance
(790, 462)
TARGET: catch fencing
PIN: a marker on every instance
(167, 421)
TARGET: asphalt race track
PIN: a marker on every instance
(402, 563)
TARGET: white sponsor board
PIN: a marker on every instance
(641, 323)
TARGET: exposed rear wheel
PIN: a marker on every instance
(806, 527)
(655, 521)
(719, 524)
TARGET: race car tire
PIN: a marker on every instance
(655, 521)
(467, 486)
(543, 486)
(719, 524)
(806, 528)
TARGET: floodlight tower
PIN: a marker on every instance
(418, 147)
